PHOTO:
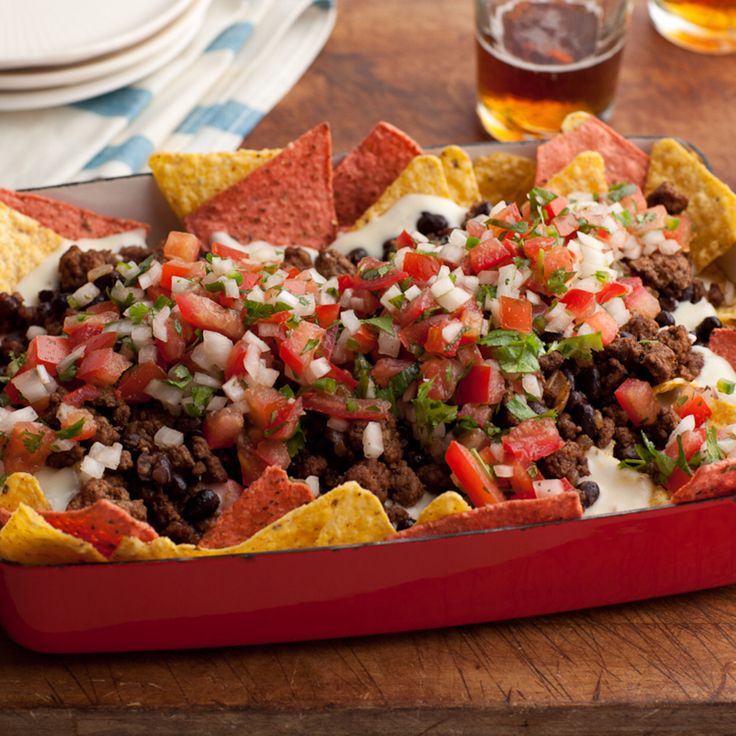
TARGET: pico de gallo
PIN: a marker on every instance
(489, 357)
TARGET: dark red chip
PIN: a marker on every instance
(723, 342)
(709, 481)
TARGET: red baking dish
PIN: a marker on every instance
(364, 589)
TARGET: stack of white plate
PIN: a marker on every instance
(56, 53)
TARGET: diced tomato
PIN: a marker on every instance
(404, 240)
(533, 439)
(28, 447)
(611, 291)
(102, 367)
(579, 303)
(132, 388)
(553, 260)
(532, 246)
(174, 347)
(437, 341)
(653, 218)
(327, 314)
(411, 311)
(227, 251)
(364, 340)
(184, 270)
(200, 311)
(81, 394)
(634, 202)
(47, 350)
(69, 416)
(484, 384)
(522, 480)
(417, 333)
(183, 246)
(273, 452)
(375, 275)
(234, 365)
(298, 350)
(472, 318)
(555, 207)
(221, 427)
(681, 230)
(566, 225)
(271, 411)
(602, 322)
(509, 214)
(386, 368)
(251, 466)
(691, 442)
(421, 267)
(101, 340)
(516, 314)
(691, 402)
(100, 307)
(472, 475)
(80, 327)
(344, 282)
(488, 255)
(444, 375)
(638, 400)
(469, 355)
(335, 405)
(642, 303)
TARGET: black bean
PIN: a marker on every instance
(551, 336)
(576, 400)
(144, 465)
(687, 294)
(429, 223)
(705, 328)
(389, 247)
(569, 375)
(537, 407)
(46, 295)
(482, 208)
(405, 523)
(585, 417)
(665, 319)
(356, 255)
(161, 472)
(177, 484)
(667, 302)
(589, 380)
(589, 491)
(201, 505)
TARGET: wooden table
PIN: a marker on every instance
(667, 666)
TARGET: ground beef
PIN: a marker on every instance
(665, 194)
(606, 432)
(660, 431)
(372, 475)
(625, 441)
(106, 433)
(550, 362)
(215, 470)
(435, 477)
(297, 258)
(305, 465)
(393, 450)
(567, 426)
(699, 291)
(613, 373)
(568, 462)
(180, 458)
(12, 346)
(67, 458)
(669, 275)
(659, 362)
(112, 488)
(135, 253)
(406, 488)
(75, 264)
(641, 328)
(165, 517)
(10, 305)
(688, 363)
(397, 515)
(331, 263)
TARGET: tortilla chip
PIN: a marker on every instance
(23, 488)
(424, 175)
(667, 386)
(624, 161)
(188, 180)
(499, 515)
(29, 539)
(585, 173)
(286, 201)
(70, 221)
(160, 548)
(727, 314)
(712, 205)
(573, 120)
(723, 413)
(446, 504)
(504, 177)
(103, 525)
(460, 176)
(709, 481)
(368, 170)
(24, 243)
(723, 342)
(263, 502)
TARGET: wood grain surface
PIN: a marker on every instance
(666, 666)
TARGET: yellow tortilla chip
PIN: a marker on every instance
(23, 488)
(573, 120)
(446, 504)
(188, 180)
(24, 243)
(460, 175)
(503, 176)
(727, 314)
(29, 539)
(724, 413)
(423, 175)
(585, 173)
(160, 548)
(667, 386)
(712, 206)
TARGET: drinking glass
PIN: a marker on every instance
(539, 60)
(707, 26)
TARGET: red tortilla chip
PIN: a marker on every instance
(103, 525)
(286, 201)
(66, 219)
(505, 514)
(363, 175)
(624, 161)
(262, 503)
(723, 343)
(709, 481)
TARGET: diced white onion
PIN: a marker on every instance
(451, 331)
(147, 354)
(233, 389)
(107, 456)
(287, 298)
(544, 488)
(31, 384)
(75, 355)
(530, 383)
(412, 292)
(313, 482)
(165, 393)
(391, 293)
(503, 471)
(687, 424)
(350, 320)
(35, 331)
(388, 344)
(158, 324)
(152, 277)
(372, 440)
(83, 295)
(255, 340)
(442, 286)
(141, 335)
(91, 468)
(10, 418)
(453, 299)
(452, 253)
(216, 402)
(317, 369)
(617, 309)
(202, 379)
(179, 284)
(217, 347)
(510, 280)
(167, 437)
(95, 273)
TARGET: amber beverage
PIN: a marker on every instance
(539, 60)
(707, 26)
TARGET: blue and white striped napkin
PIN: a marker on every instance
(243, 60)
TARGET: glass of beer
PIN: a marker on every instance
(539, 60)
(707, 26)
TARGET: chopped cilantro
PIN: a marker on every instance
(397, 301)
(518, 406)
(296, 442)
(620, 191)
(68, 373)
(623, 217)
(713, 451)
(516, 352)
(672, 223)
(163, 301)
(557, 280)
(430, 413)
(471, 242)
(138, 312)
(485, 291)
(662, 464)
(259, 310)
(513, 227)
(579, 347)
(32, 441)
(325, 384)
(603, 276)
(371, 274)
(16, 363)
(310, 344)
(179, 376)
(200, 398)
(399, 383)
(287, 391)
(71, 431)
(521, 262)
(351, 404)
(385, 323)
(177, 327)
(538, 197)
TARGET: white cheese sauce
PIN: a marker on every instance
(259, 250)
(46, 274)
(714, 369)
(691, 315)
(420, 505)
(59, 486)
(402, 216)
(621, 489)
